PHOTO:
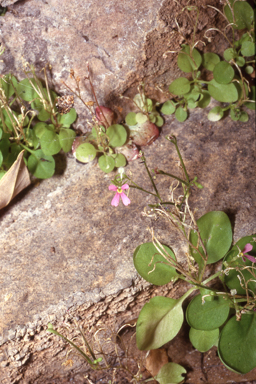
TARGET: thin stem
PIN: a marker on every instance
(173, 140)
(150, 176)
(173, 176)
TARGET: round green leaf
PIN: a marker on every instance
(237, 347)
(244, 14)
(223, 72)
(192, 104)
(181, 114)
(159, 121)
(185, 62)
(120, 160)
(85, 153)
(180, 86)
(210, 59)
(215, 114)
(244, 117)
(117, 135)
(40, 128)
(106, 163)
(50, 143)
(239, 265)
(170, 373)
(216, 233)
(141, 118)
(25, 89)
(229, 54)
(226, 93)
(240, 61)
(152, 118)
(248, 48)
(208, 315)
(146, 259)
(204, 99)
(159, 322)
(131, 119)
(68, 118)
(41, 165)
(203, 340)
(66, 138)
(235, 114)
(168, 108)
(249, 69)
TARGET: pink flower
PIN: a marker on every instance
(119, 192)
(248, 247)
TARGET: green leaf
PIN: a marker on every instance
(185, 62)
(181, 114)
(237, 347)
(50, 143)
(66, 138)
(215, 114)
(216, 233)
(131, 119)
(226, 93)
(141, 118)
(146, 258)
(159, 121)
(248, 48)
(252, 96)
(106, 163)
(223, 72)
(244, 117)
(210, 59)
(168, 108)
(4, 146)
(244, 15)
(203, 340)
(235, 114)
(208, 315)
(180, 86)
(120, 160)
(40, 128)
(204, 100)
(231, 260)
(6, 85)
(26, 91)
(2, 173)
(249, 69)
(85, 152)
(240, 61)
(41, 165)
(117, 135)
(68, 118)
(229, 54)
(170, 373)
(159, 322)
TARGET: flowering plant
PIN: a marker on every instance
(223, 314)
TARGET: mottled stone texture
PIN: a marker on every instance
(65, 251)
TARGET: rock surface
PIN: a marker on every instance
(65, 252)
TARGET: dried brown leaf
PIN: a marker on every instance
(14, 181)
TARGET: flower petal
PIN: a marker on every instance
(115, 200)
(248, 247)
(112, 187)
(125, 199)
(251, 258)
(125, 186)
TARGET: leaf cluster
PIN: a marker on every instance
(29, 120)
(228, 84)
(218, 317)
